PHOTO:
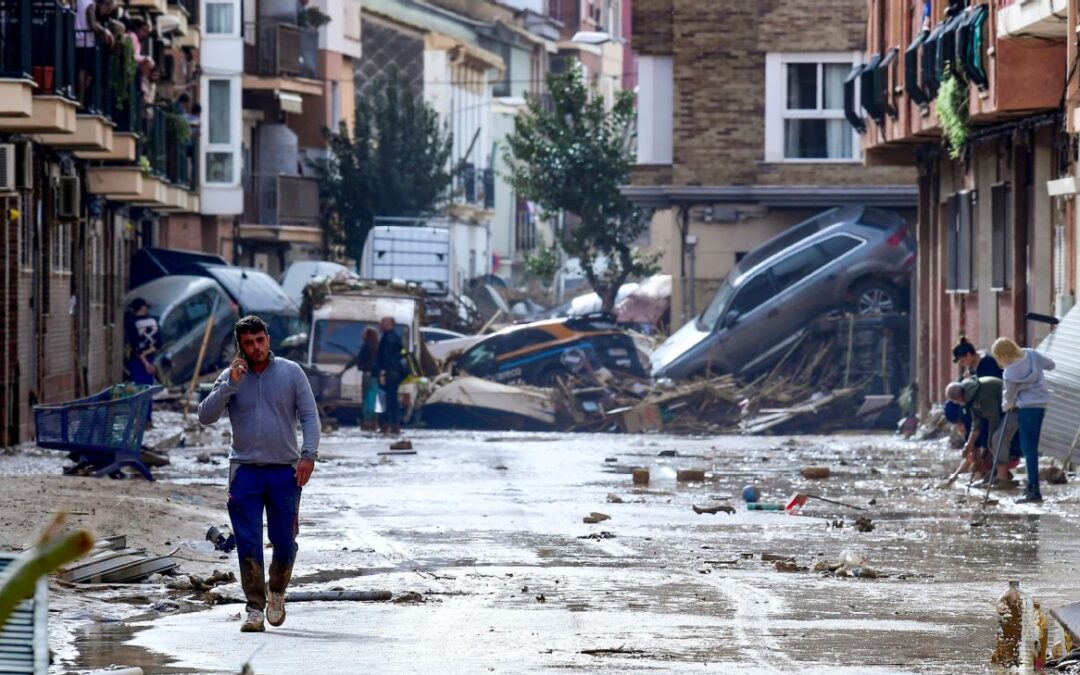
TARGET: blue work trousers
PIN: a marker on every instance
(1031, 420)
(253, 488)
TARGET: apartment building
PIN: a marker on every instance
(299, 64)
(996, 215)
(95, 154)
(436, 48)
(741, 130)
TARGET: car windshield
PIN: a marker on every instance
(708, 319)
(338, 341)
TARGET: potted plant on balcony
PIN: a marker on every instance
(312, 17)
(953, 112)
(123, 72)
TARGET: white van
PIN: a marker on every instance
(337, 326)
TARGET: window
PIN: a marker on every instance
(219, 18)
(26, 233)
(1001, 243)
(219, 167)
(756, 292)
(804, 108)
(958, 218)
(220, 94)
(61, 248)
(834, 247)
(797, 266)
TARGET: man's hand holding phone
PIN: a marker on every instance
(237, 368)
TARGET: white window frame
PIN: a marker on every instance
(776, 111)
(232, 146)
(234, 8)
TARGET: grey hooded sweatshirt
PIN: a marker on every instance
(1025, 385)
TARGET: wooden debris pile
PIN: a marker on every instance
(812, 387)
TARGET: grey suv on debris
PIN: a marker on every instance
(854, 257)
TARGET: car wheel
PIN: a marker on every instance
(875, 297)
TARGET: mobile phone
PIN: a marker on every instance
(239, 351)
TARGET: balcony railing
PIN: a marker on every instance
(281, 49)
(191, 7)
(94, 75)
(525, 231)
(180, 144)
(53, 50)
(16, 38)
(281, 200)
(475, 186)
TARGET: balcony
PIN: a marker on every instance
(16, 59)
(275, 201)
(96, 98)
(52, 67)
(281, 56)
(475, 187)
(1033, 18)
(905, 67)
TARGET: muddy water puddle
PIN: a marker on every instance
(516, 582)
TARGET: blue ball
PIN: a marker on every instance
(751, 494)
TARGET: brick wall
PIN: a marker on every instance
(719, 50)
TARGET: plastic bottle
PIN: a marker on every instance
(1010, 609)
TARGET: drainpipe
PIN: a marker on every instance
(684, 230)
(690, 244)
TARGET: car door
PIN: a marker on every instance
(802, 286)
(746, 326)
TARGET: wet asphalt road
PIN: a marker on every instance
(488, 529)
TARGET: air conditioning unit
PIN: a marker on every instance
(69, 203)
(7, 167)
(24, 165)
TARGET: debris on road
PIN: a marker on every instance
(401, 445)
(799, 499)
(641, 476)
(615, 650)
(603, 534)
(787, 566)
(864, 524)
(595, 517)
(690, 476)
(773, 557)
(614, 499)
(816, 472)
(222, 537)
(718, 508)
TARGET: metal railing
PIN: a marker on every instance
(180, 143)
(94, 75)
(524, 231)
(281, 200)
(53, 48)
(281, 49)
(155, 142)
(16, 38)
(475, 186)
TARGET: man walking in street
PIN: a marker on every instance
(265, 396)
(391, 373)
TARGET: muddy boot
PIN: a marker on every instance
(253, 623)
(279, 581)
(253, 582)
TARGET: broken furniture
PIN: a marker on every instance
(103, 431)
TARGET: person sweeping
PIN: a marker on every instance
(1026, 393)
(265, 396)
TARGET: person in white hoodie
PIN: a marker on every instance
(1026, 394)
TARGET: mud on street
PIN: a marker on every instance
(487, 530)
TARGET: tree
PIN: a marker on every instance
(573, 156)
(394, 162)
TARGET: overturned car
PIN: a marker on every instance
(539, 353)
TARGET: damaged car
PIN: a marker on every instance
(857, 258)
(538, 353)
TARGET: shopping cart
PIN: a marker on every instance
(103, 431)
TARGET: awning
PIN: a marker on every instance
(290, 103)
